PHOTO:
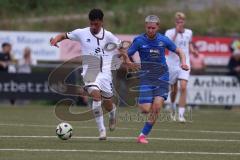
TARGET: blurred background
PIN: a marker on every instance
(34, 78)
(205, 17)
(26, 27)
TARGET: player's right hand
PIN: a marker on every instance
(54, 42)
(185, 67)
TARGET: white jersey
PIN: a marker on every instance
(94, 45)
(182, 41)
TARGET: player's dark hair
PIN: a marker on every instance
(95, 14)
(5, 44)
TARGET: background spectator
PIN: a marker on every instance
(234, 64)
(25, 64)
(5, 57)
(6, 62)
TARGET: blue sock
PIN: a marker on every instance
(147, 128)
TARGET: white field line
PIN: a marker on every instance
(123, 128)
(131, 138)
(118, 151)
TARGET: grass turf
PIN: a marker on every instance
(211, 135)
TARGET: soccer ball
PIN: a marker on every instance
(64, 131)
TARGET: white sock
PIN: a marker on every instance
(98, 113)
(141, 134)
(112, 113)
(181, 111)
(174, 107)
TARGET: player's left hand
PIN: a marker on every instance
(185, 67)
(134, 67)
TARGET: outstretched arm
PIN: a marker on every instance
(58, 38)
(124, 55)
(127, 62)
(182, 57)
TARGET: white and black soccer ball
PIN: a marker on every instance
(64, 131)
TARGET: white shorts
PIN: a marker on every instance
(103, 82)
(176, 73)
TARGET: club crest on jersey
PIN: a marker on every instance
(88, 40)
(161, 44)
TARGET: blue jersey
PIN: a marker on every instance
(154, 76)
(152, 54)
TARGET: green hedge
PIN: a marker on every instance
(122, 16)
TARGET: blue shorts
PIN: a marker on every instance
(148, 92)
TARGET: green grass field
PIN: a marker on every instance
(29, 133)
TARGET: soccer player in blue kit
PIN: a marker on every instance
(154, 75)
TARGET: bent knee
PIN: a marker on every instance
(96, 95)
(145, 109)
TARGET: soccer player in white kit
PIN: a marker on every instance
(182, 37)
(93, 39)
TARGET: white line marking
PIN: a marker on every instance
(124, 128)
(131, 138)
(117, 151)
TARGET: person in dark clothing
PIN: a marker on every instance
(5, 59)
(234, 64)
(5, 56)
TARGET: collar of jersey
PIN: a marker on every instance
(145, 35)
(103, 32)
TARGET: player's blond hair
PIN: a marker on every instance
(152, 18)
(180, 15)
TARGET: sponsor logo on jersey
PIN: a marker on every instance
(97, 50)
(154, 53)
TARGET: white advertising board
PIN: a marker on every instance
(213, 90)
(37, 41)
